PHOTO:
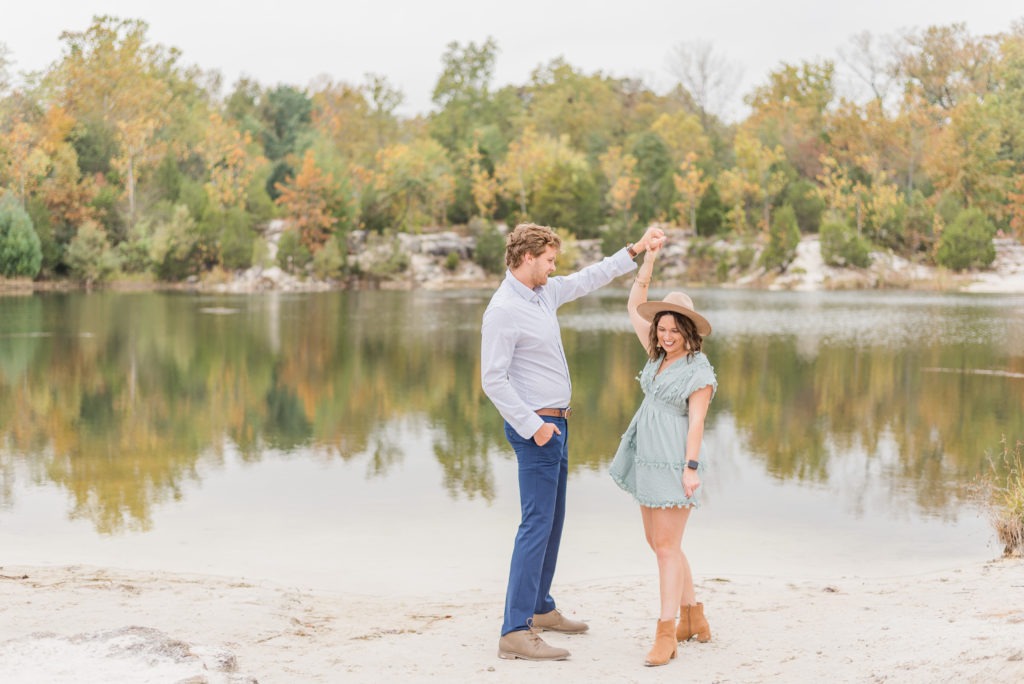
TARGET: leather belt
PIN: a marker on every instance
(554, 412)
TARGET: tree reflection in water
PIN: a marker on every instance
(121, 398)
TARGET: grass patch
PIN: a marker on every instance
(1003, 491)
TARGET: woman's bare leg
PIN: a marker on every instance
(664, 529)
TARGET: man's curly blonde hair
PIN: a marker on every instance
(529, 238)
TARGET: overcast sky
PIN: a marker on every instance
(295, 41)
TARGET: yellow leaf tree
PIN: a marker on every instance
(24, 163)
(517, 173)
(623, 183)
(965, 158)
(111, 78)
(733, 191)
(565, 101)
(231, 161)
(415, 183)
(683, 136)
(757, 165)
(691, 186)
(483, 185)
(872, 203)
(342, 115)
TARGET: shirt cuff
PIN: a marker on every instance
(623, 258)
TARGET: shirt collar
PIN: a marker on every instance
(521, 290)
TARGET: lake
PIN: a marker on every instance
(341, 440)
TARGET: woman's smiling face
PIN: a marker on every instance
(670, 337)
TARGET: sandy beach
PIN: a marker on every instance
(819, 606)
(88, 624)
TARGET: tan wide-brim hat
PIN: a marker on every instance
(679, 302)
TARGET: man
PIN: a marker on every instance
(524, 373)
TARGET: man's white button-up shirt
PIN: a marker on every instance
(522, 361)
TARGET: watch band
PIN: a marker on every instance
(632, 252)
(692, 465)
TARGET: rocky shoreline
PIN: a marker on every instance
(426, 264)
(427, 261)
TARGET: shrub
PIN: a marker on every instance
(807, 205)
(783, 238)
(705, 260)
(745, 256)
(451, 262)
(20, 252)
(387, 258)
(566, 195)
(90, 257)
(949, 207)
(1003, 489)
(236, 239)
(842, 246)
(261, 253)
(490, 249)
(53, 236)
(711, 213)
(919, 224)
(292, 255)
(967, 243)
(106, 205)
(173, 243)
(133, 253)
(328, 262)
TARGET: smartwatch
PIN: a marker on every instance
(692, 465)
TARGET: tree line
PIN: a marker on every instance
(121, 160)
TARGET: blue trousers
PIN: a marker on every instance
(543, 472)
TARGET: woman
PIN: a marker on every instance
(659, 460)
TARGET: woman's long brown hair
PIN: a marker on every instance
(685, 325)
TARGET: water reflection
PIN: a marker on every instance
(121, 399)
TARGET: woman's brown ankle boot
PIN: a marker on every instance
(692, 623)
(664, 648)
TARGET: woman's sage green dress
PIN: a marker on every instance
(652, 454)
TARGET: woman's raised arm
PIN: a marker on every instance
(638, 294)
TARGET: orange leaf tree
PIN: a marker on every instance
(305, 200)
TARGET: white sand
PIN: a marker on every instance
(85, 624)
(81, 624)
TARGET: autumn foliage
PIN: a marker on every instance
(896, 141)
(304, 202)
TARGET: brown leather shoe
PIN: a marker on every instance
(526, 645)
(664, 648)
(692, 623)
(557, 622)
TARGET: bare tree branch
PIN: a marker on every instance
(710, 78)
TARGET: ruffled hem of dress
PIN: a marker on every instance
(692, 504)
(649, 503)
(622, 483)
